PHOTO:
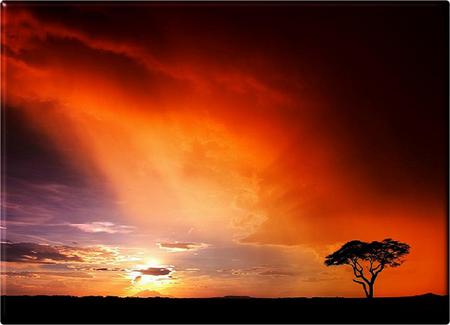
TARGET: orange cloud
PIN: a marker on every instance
(180, 247)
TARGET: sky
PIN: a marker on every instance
(202, 150)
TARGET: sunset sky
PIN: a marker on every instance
(197, 150)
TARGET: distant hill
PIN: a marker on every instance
(236, 297)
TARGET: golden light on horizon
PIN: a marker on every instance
(151, 275)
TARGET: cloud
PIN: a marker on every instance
(60, 36)
(114, 269)
(29, 274)
(36, 253)
(106, 227)
(155, 271)
(95, 256)
(103, 62)
(181, 247)
(47, 210)
(156, 63)
(258, 271)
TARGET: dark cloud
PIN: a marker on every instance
(36, 253)
(181, 246)
(30, 274)
(155, 271)
(106, 269)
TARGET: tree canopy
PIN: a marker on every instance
(374, 256)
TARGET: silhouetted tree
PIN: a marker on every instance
(373, 257)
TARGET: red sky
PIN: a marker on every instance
(202, 150)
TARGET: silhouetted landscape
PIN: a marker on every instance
(67, 309)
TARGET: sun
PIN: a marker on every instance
(153, 262)
(141, 281)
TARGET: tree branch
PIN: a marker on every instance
(359, 274)
(378, 266)
(360, 266)
(364, 286)
(372, 269)
(381, 269)
(355, 270)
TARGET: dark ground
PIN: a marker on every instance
(64, 309)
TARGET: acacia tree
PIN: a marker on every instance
(369, 259)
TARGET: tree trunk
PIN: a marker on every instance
(370, 293)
